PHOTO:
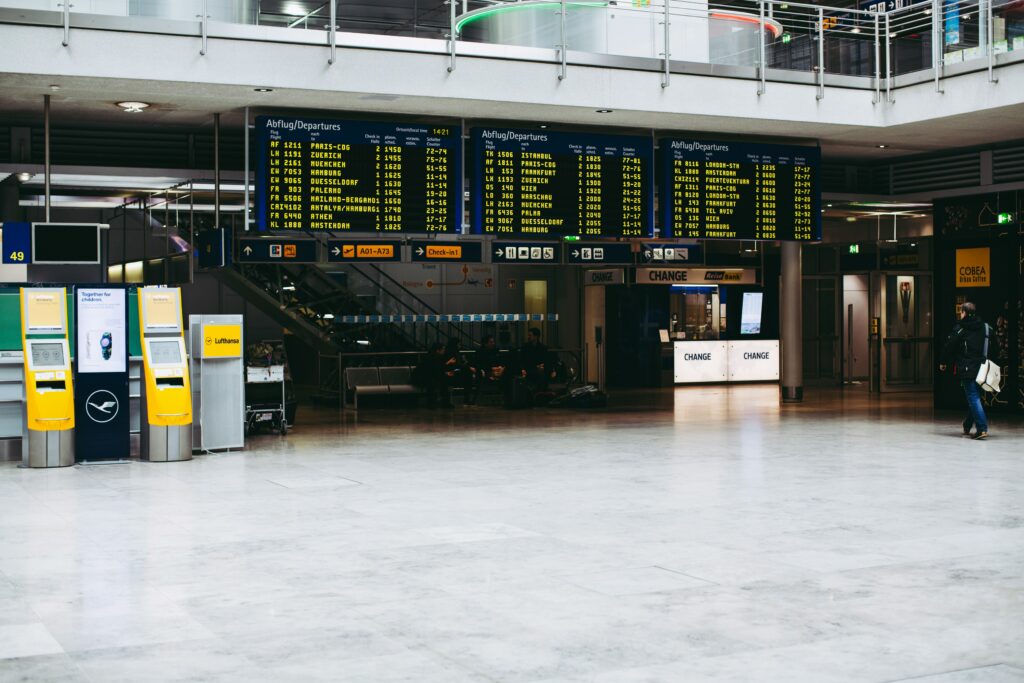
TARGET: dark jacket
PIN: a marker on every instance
(965, 347)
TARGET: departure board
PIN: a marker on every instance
(744, 191)
(347, 176)
(536, 183)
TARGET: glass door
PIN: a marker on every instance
(907, 353)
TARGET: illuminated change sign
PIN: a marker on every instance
(347, 176)
(541, 183)
(744, 191)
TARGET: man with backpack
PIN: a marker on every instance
(967, 349)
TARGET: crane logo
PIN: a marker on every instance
(102, 406)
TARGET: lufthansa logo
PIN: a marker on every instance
(102, 406)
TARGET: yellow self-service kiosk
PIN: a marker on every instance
(166, 394)
(49, 437)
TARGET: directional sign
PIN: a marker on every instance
(667, 252)
(255, 250)
(608, 252)
(524, 252)
(369, 250)
(440, 252)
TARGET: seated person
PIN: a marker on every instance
(490, 367)
(431, 376)
(459, 372)
(535, 361)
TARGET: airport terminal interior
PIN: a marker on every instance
(524, 341)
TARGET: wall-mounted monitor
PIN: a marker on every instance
(65, 243)
(751, 313)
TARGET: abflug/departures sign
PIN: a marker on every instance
(542, 183)
(747, 191)
(348, 176)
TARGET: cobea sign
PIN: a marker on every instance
(973, 267)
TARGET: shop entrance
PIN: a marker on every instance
(906, 353)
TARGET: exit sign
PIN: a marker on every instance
(854, 248)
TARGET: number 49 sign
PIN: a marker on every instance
(16, 242)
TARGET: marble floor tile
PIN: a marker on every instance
(682, 535)
(27, 640)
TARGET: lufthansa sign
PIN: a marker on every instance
(696, 276)
(222, 341)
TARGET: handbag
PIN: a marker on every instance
(990, 375)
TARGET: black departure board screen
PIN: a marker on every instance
(744, 191)
(348, 176)
(537, 183)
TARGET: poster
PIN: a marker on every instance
(101, 329)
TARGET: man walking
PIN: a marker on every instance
(965, 348)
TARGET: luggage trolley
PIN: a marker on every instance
(266, 392)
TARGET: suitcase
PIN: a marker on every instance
(519, 395)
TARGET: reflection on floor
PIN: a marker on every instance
(685, 535)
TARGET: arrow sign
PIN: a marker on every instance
(419, 251)
(575, 253)
(437, 251)
(336, 251)
(592, 253)
(370, 250)
(499, 253)
(257, 250)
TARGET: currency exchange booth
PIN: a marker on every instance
(166, 393)
(49, 438)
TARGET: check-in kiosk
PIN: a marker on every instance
(218, 382)
(49, 438)
(166, 391)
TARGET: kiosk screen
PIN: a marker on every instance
(49, 355)
(165, 352)
(750, 316)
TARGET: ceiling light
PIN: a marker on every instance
(263, 89)
(829, 205)
(882, 146)
(851, 219)
(328, 316)
(24, 177)
(133, 107)
(855, 29)
(54, 88)
(288, 288)
(543, 125)
(604, 111)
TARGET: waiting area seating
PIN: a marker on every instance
(395, 380)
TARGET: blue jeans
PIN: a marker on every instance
(975, 411)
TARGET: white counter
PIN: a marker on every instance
(726, 361)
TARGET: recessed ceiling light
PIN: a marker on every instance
(829, 206)
(133, 107)
(263, 89)
(54, 88)
(24, 177)
(604, 111)
(543, 125)
(882, 146)
(851, 219)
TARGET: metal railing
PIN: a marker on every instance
(762, 40)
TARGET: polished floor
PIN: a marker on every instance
(691, 535)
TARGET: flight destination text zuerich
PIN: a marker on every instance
(348, 176)
(746, 191)
(548, 183)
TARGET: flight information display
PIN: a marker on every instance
(739, 190)
(347, 176)
(540, 183)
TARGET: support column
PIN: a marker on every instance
(792, 324)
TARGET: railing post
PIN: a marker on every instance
(878, 65)
(821, 52)
(66, 11)
(991, 42)
(761, 61)
(888, 58)
(563, 66)
(937, 43)
(333, 33)
(668, 38)
(202, 25)
(451, 35)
